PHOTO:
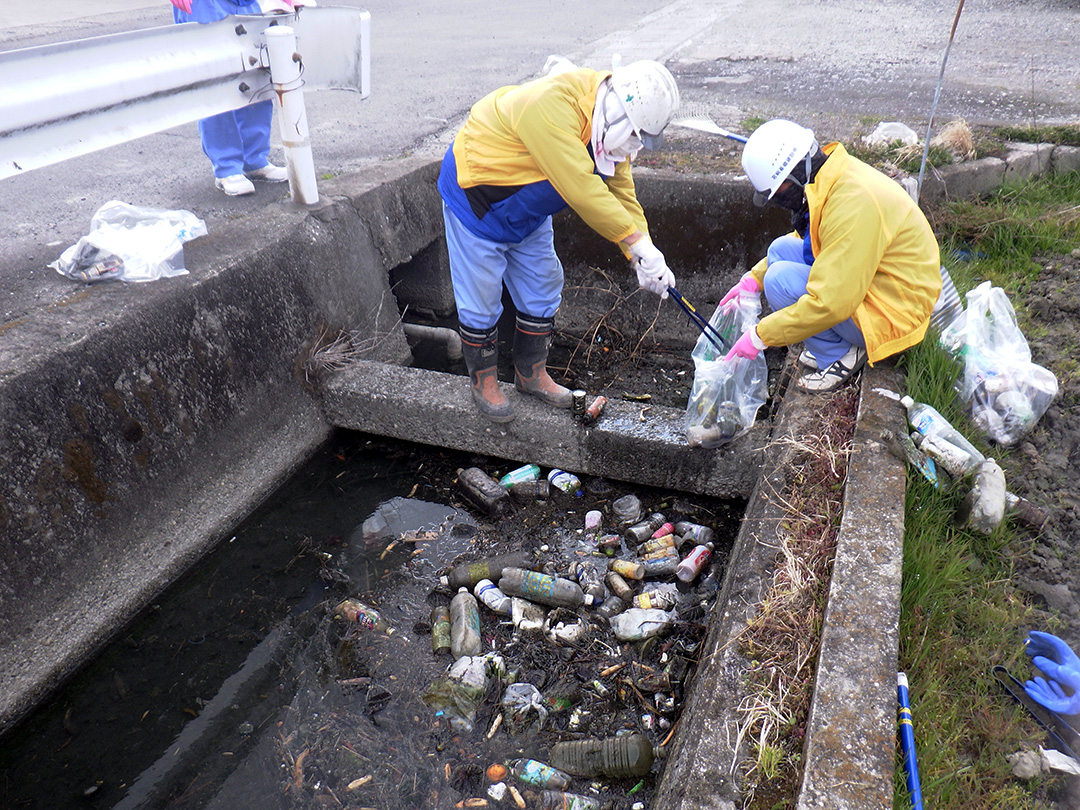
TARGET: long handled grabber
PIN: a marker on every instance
(907, 742)
(701, 323)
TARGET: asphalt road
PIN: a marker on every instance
(832, 64)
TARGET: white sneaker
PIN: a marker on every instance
(807, 359)
(829, 379)
(235, 185)
(270, 174)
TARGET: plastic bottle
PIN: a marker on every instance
(619, 586)
(694, 563)
(657, 567)
(440, 630)
(662, 596)
(654, 544)
(589, 579)
(467, 575)
(491, 596)
(354, 610)
(539, 490)
(627, 569)
(482, 491)
(543, 588)
(623, 755)
(567, 482)
(663, 530)
(464, 624)
(929, 422)
(593, 519)
(612, 606)
(559, 800)
(539, 774)
(530, 472)
(695, 531)
(953, 459)
(640, 532)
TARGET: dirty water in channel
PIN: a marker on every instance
(240, 688)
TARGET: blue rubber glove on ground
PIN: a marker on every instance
(1060, 664)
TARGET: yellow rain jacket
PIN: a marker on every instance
(524, 135)
(875, 260)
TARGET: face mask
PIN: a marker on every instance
(627, 149)
(792, 198)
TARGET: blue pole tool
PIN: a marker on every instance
(700, 322)
(907, 742)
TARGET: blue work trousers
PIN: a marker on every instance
(479, 267)
(785, 283)
(237, 141)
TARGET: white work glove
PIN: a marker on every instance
(653, 274)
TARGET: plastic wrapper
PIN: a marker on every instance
(1005, 392)
(726, 394)
(129, 243)
(460, 692)
(522, 703)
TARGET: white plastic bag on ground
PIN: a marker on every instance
(129, 243)
(1005, 392)
(726, 395)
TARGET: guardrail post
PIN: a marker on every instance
(286, 74)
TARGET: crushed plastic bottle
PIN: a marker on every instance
(467, 575)
(695, 531)
(539, 774)
(567, 482)
(464, 625)
(497, 601)
(926, 419)
(560, 800)
(482, 491)
(543, 588)
(620, 756)
(440, 630)
(627, 510)
(589, 578)
(530, 472)
(367, 617)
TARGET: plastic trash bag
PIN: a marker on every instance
(1005, 392)
(129, 243)
(459, 693)
(522, 703)
(726, 394)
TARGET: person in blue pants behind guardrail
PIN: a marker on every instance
(237, 142)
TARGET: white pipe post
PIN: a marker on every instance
(286, 75)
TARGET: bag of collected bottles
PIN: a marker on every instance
(129, 243)
(726, 395)
(1005, 392)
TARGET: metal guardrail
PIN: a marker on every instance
(71, 98)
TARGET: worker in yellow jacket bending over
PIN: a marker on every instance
(526, 152)
(858, 279)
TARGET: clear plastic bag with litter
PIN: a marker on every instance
(1005, 391)
(726, 394)
(130, 243)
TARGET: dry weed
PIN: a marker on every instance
(783, 638)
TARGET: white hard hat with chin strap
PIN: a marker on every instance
(772, 151)
(632, 108)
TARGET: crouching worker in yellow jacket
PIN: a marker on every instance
(858, 279)
(524, 153)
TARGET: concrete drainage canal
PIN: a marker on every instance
(298, 663)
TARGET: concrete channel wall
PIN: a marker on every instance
(141, 422)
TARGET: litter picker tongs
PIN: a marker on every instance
(1051, 721)
(700, 322)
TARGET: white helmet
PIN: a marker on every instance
(772, 151)
(649, 97)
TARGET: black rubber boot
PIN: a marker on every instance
(481, 351)
(531, 341)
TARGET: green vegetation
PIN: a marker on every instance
(1068, 134)
(960, 612)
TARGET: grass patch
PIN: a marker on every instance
(1066, 134)
(960, 612)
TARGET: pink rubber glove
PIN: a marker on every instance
(748, 346)
(746, 284)
(183, 5)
